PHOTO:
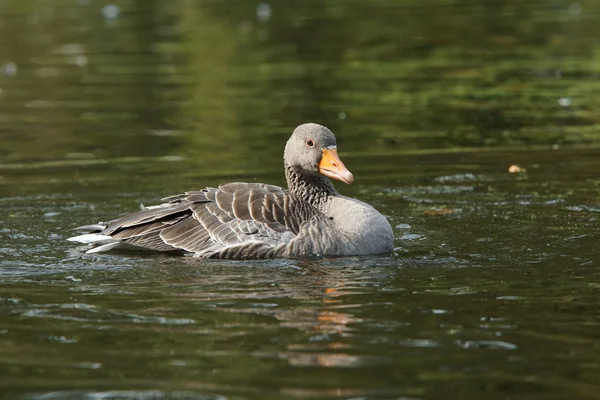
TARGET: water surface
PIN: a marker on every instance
(492, 289)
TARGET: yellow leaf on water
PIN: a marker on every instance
(515, 169)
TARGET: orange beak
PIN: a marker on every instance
(332, 167)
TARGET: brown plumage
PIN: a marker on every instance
(255, 220)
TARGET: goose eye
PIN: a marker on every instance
(309, 143)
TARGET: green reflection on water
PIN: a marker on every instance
(204, 78)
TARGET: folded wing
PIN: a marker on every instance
(235, 220)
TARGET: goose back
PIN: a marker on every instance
(235, 220)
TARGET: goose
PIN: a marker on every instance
(256, 220)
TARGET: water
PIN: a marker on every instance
(492, 290)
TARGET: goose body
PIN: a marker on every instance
(256, 220)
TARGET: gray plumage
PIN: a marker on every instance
(255, 220)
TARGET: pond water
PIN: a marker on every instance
(493, 289)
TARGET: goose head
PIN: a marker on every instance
(312, 150)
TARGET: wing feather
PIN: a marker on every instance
(235, 220)
(188, 234)
(151, 241)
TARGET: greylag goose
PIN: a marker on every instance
(256, 220)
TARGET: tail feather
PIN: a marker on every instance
(92, 238)
(90, 228)
(105, 247)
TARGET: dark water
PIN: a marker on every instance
(492, 291)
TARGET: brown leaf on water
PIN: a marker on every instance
(442, 211)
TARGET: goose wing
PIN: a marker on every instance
(235, 220)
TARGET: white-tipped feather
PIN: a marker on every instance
(104, 243)
(93, 227)
(143, 207)
(104, 247)
(93, 238)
